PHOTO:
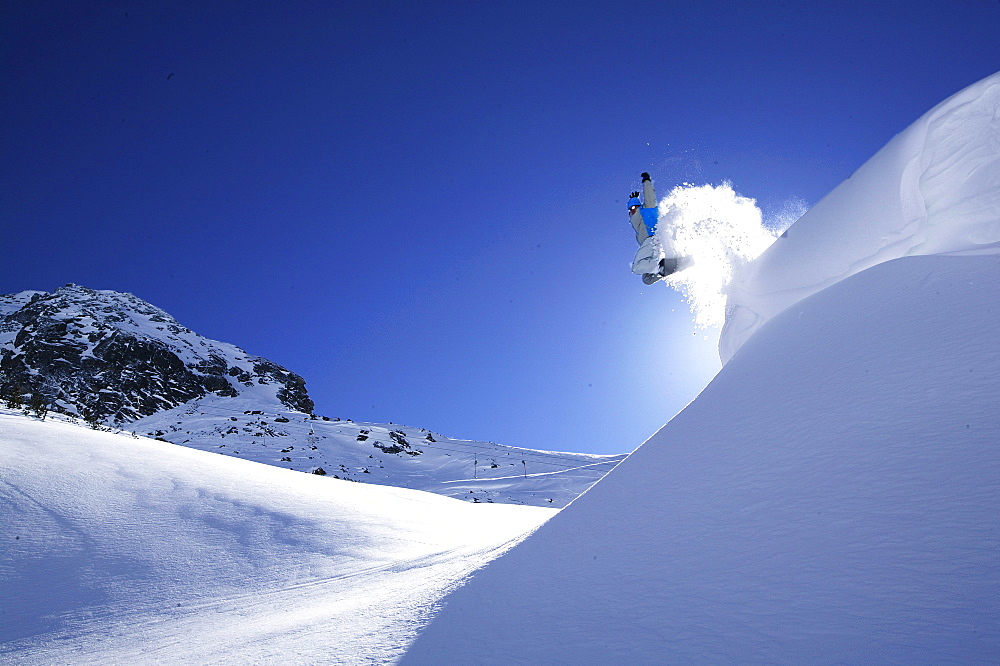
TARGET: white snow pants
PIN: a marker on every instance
(647, 259)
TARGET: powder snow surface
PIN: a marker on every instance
(833, 495)
(122, 550)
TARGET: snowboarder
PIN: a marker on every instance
(649, 261)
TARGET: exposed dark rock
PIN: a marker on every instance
(112, 357)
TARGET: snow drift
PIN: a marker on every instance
(933, 189)
(832, 496)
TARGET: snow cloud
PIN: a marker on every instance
(719, 232)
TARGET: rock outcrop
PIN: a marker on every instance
(112, 357)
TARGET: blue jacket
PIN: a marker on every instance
(645, 218)
(650, 216)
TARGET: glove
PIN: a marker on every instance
(645, 176)
(634, 195)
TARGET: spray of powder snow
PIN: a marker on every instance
(719, 232)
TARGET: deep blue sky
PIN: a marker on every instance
(418, 206)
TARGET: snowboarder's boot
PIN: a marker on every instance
(668, 266)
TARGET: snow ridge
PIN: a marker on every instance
(933, 189)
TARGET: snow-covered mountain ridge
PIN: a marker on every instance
(113, 358)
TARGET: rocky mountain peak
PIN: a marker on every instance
(111, 356)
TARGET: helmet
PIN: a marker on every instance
(633, 202)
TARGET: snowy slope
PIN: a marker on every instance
(378, 453)
(933, 189)
(122, 550)
(832, 496)
(10, 303)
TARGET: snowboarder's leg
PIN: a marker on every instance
(647, 258)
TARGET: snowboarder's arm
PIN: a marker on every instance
(639, 225)
(635, 217)
(648, 192)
